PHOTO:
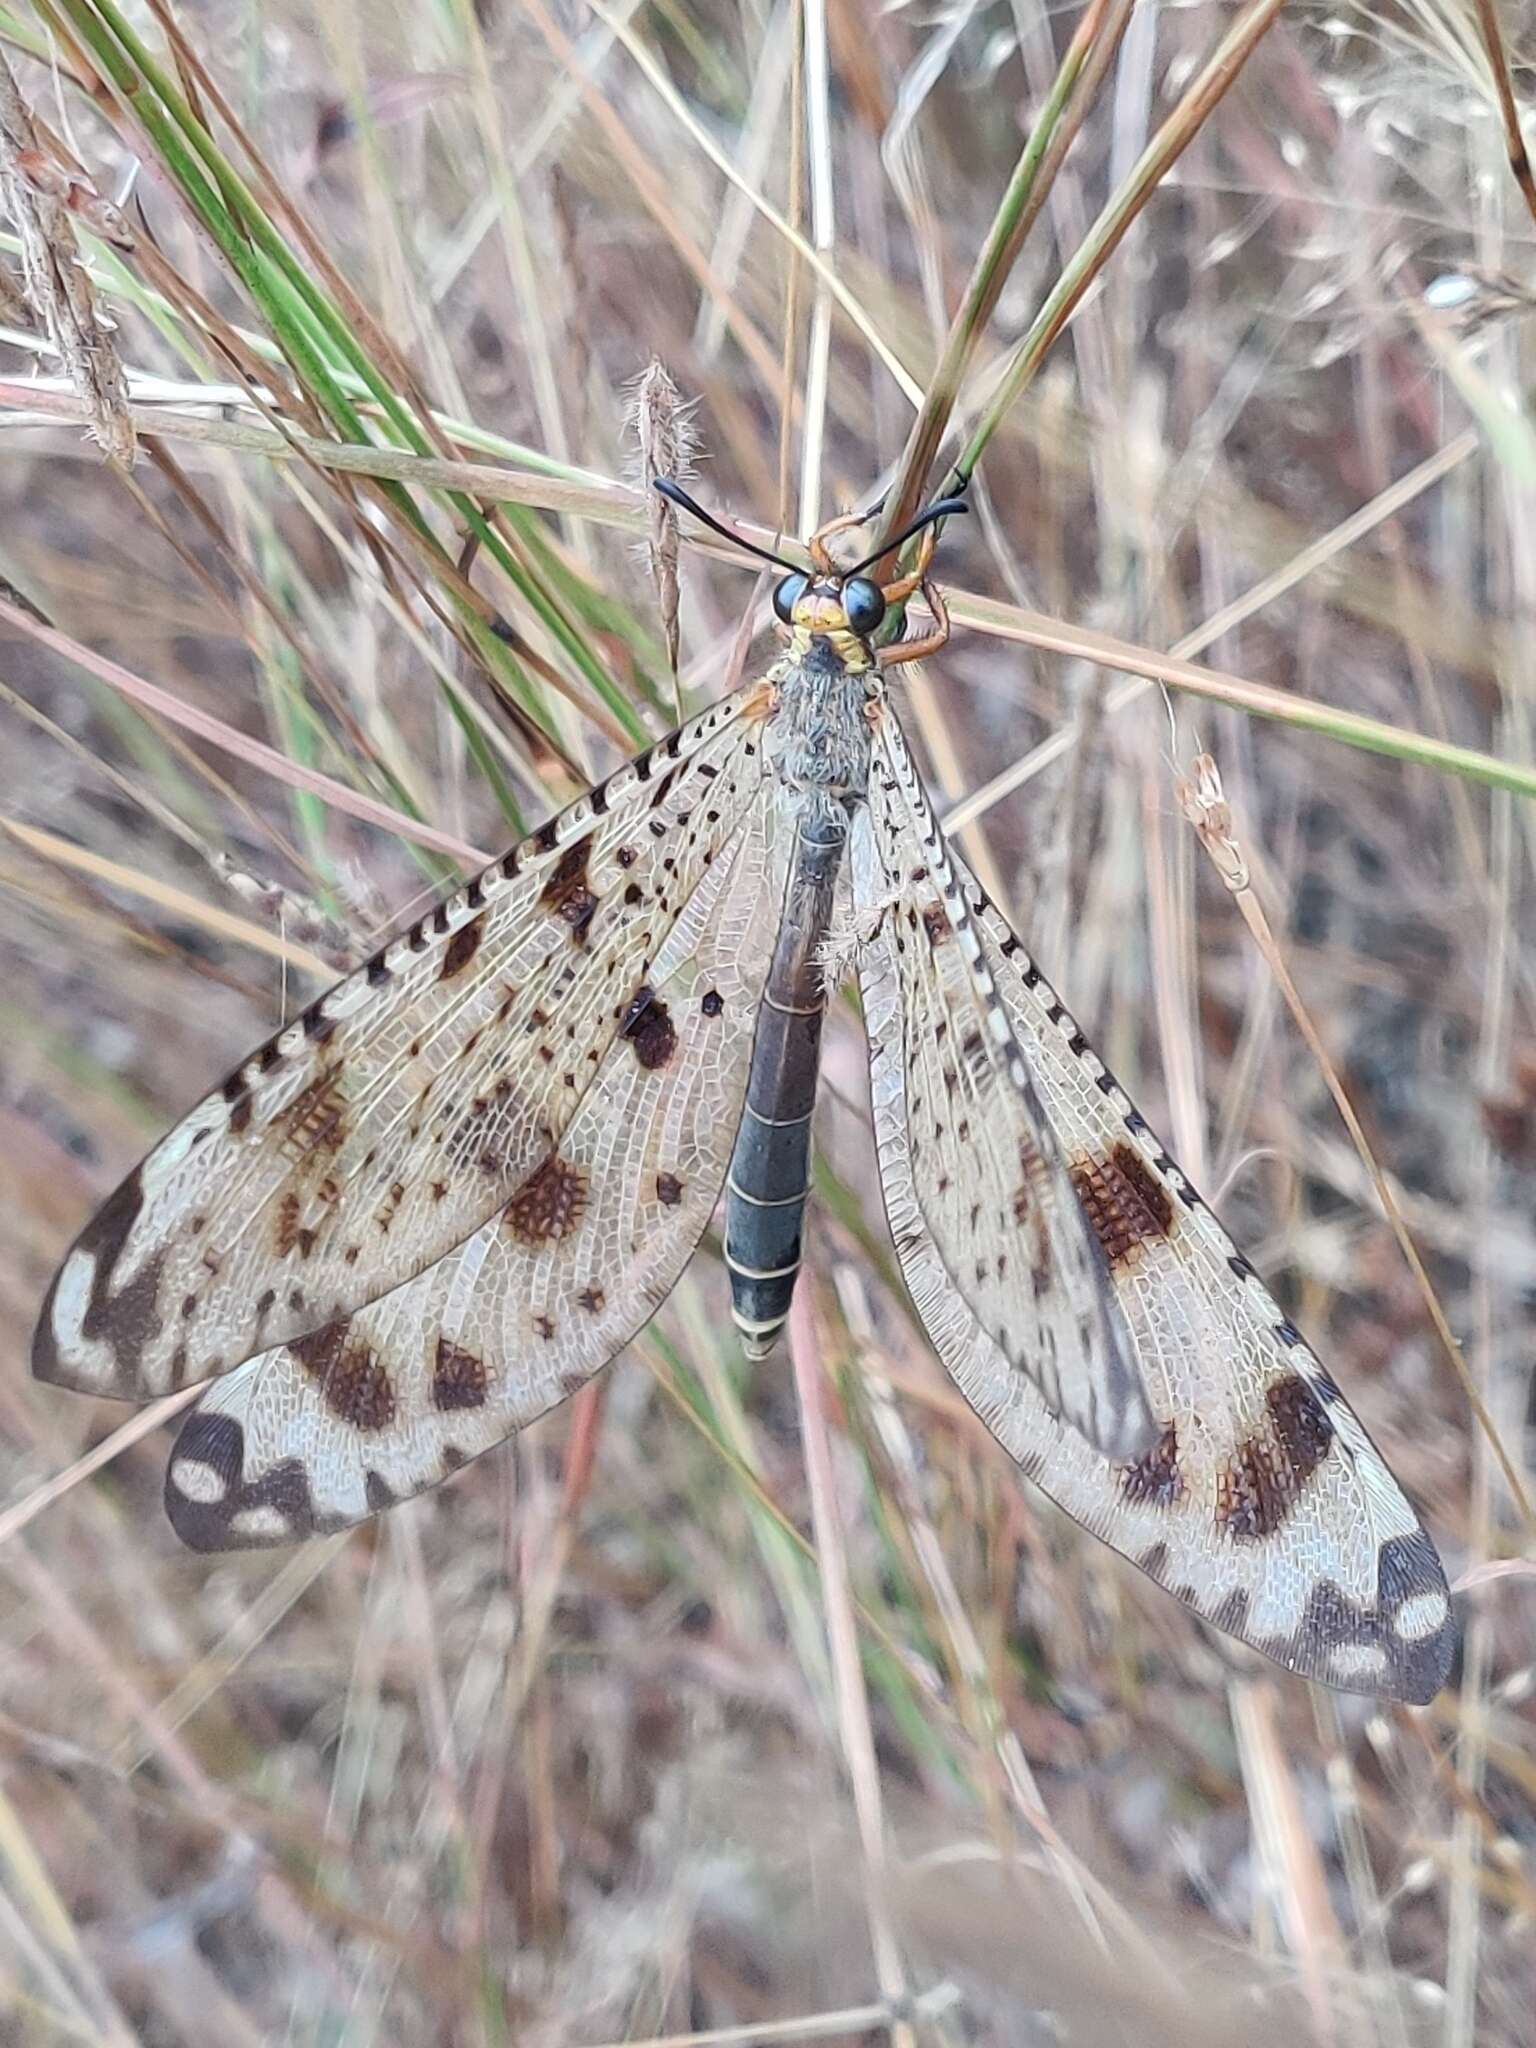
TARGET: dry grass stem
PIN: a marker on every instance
(46, 202)
(667, 442)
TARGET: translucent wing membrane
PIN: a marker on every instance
(393, 1398)
(417, 1099)
(1262, 1504)
(994, 1192)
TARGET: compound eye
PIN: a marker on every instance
(787, 596)
(863, 603)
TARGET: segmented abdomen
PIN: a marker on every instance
(770, 1168)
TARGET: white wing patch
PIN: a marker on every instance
(387, 1401)
(1263, 1505)
(411, 1102)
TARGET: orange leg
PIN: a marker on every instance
(899, 591)
(818, 540)
(901, 651)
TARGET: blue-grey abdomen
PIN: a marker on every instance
(770, 1167)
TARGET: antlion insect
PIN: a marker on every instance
(468, 1175)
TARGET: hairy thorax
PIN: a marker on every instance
(820, 738)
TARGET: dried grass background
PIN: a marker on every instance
(771, 1706)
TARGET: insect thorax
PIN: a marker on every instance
(819, 738)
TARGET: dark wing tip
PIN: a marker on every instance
(1401, 1649)
(1414, 1602)
(213, 1508)
(47, 1361)
(61, 1363)
(81, 1299)
(1422, 1669)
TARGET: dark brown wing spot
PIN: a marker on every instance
(1032, 1178)
(353, 1384)
(1301, 1425)
(462, 948)
(648, 1026)
(1259, 1485)
(549, 1204)
(459, 1379)
(1150, 1190)
(475, 1139)
(713, 1002)
(288, 1232)
(936, 925)
(544, 1327)
(566, 894)
(1124, 1201)
(669, 1190)
(109, 1229)
(240, 1111)
(592, 1300)
(1155, 1479)
(1042, 1267)
(378, 1493)
(1253, 1491)
(127, 1320)
(316, 1119)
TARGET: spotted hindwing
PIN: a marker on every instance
(1262, 1503)
(380, 1404)
(420, 1097)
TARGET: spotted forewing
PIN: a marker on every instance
(1261, 1503)
(395, 1396)
(417, 1099)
